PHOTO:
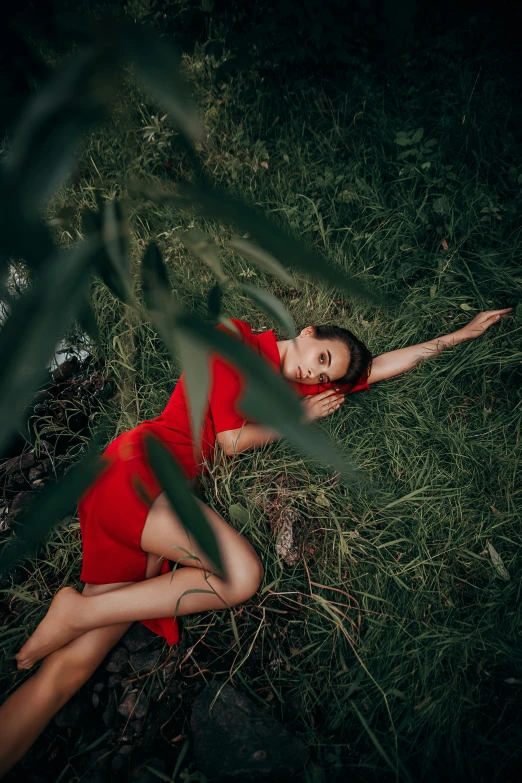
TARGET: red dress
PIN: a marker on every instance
(113, 510)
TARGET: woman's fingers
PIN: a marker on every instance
(483, 321)
(326, 394)
(333, 404)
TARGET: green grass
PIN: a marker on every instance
(389, 647)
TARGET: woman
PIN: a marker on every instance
(128, 525)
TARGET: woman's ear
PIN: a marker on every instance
(308, 331)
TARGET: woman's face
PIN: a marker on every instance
(309, 360)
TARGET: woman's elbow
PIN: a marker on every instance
(228, 441)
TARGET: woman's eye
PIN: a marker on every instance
(321, 358)
(321, 378)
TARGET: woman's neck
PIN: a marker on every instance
(282, 347)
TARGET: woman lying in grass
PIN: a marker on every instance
(130, 532)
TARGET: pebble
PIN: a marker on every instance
(145, 661)
(117, 660)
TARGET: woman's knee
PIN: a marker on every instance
(64, 674)
(245, 581)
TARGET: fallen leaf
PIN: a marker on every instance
(285, 546)
(498, 562)
(445, 244)
(239, 513)
(321, 500)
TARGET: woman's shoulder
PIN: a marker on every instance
(236, 327)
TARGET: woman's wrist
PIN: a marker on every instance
(455, 338)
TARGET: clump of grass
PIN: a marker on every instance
(392, 647)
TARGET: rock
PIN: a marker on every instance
(136, 726)
(237, 740)
(27, 460)
(65, 369)
(97, 767)
(94, 776)
(156, 691)
(17, 479)
(114, 680)
(117, 660)
(137, 637)
(71, 714)
(110, 712)
(140, 773)
(293, 705)
(21, 500)
(144, 661)
(34, 474)
(22, 462)
(117, 764)
(47, 466)
(133, 706)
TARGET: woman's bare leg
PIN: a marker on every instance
(186, 591)
(26, 713)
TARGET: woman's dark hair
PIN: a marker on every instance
(360, 357)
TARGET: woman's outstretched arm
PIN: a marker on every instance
(388, 365)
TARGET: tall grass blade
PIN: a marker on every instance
(271, 306)
(158, 64)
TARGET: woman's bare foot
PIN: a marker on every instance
(59, 626)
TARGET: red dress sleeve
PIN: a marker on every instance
(227, 385)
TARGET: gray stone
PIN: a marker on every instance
(118, 762)
(47, 465)
(97, 766)
(71, 714)
(236, 740)
(110, 712)
(136, 726)
(133, 706)
(20, 501)
(145, 661)
(156, 690)
(27, 460)
(34, 474)
(117, 660)
(114, 680)
(21, 462)
(17, 479)
(140, 773)
(137, 638)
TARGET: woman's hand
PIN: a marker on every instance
(318, 405)
(483, 321)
